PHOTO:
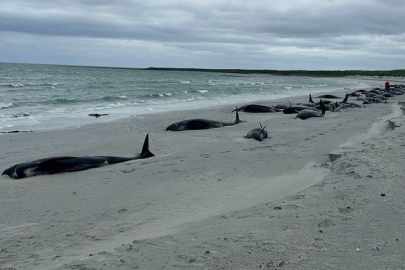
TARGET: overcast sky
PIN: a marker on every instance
(248, 34)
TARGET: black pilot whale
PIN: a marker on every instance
(62, 164)
(258, 133)
(195, 124)
(305, 114)
(255, 108)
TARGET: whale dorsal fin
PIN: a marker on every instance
(322, 107)
(310, 98)
(145, 148)
(237, 120)
(346, 98)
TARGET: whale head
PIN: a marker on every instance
(174, 127)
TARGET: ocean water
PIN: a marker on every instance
(46, 96)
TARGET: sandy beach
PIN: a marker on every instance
(211, 199)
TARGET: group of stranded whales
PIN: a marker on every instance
(303, 111)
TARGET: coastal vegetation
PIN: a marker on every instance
(315, 73)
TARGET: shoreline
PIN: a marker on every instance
(208, 190)
(74, 119)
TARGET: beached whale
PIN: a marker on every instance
(349, 105)
(310, 102)
(63, 164)
(329, 96)
(305, 114)
(257, 133)
(343, 102)
(326, 106)
(281, 106)
(296, 108)
(254, 108)
(196, 124)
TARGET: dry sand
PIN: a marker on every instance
(211, 199)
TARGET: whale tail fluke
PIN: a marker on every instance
(262, 128)
(145, 148)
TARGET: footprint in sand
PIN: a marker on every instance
(319, 243)
(341, 197)
(298, 197)
(130, 170)
(326, 223)
(345, 210)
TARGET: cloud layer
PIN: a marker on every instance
(258, 34)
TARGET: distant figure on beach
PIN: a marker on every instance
(387, 86)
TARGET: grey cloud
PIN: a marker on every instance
(152, 20)
(224, 29)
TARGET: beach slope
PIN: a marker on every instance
(211, 199)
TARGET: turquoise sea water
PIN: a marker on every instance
(46, 96)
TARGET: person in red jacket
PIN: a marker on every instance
(387, 86)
